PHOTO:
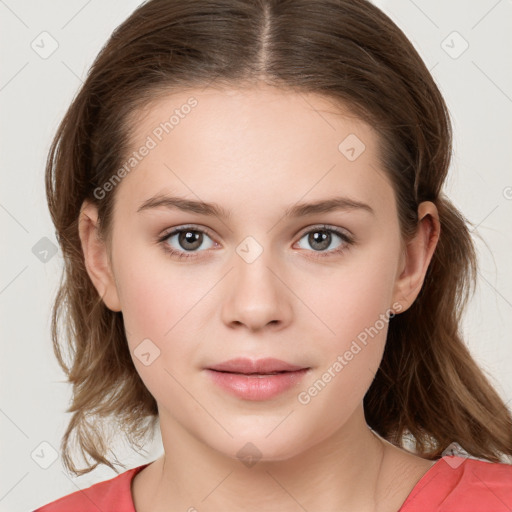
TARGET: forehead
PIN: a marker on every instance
(233, 145)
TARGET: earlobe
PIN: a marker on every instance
(417, 256)
(96, 256)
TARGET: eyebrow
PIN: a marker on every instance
(215, 210)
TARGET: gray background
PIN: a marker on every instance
(34, 95)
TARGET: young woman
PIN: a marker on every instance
(260, 259)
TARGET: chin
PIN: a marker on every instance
(250, 448)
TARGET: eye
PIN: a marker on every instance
(185, 241)
(321, 238)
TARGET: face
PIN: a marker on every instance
(259, 277)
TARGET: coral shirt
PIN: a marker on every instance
(453, 484)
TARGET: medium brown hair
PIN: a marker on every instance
(428, 385)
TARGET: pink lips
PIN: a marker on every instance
(259, 379)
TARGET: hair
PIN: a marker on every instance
(428, 385)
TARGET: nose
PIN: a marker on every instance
(256, 296)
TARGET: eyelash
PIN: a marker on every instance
(348, 241)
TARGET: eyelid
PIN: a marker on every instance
(177, 229)
(347, 238)
(195, 227)
(327, 227)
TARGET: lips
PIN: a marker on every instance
(256, 380)
(246, 366)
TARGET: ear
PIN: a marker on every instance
(417, 255)
(97, 261)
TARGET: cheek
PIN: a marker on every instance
(155, 319)
(352, 297)
(163, 303)
(154, 291)
(349, 362)
(146, 305)
(353, 304)
(150, 301)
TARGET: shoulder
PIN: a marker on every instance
(460, 484)
(109, 495)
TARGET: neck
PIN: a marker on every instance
(340, 473)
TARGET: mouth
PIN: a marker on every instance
(256, 380)
(265, 366)
(256, 374)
